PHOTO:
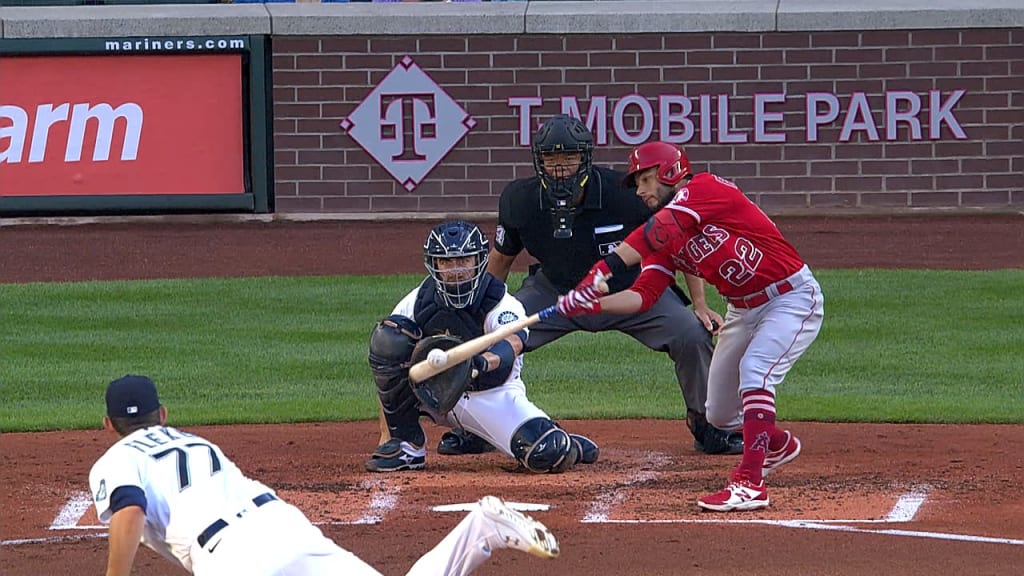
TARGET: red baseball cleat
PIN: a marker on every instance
(784, 455)
(740, 494)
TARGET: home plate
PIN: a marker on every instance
(466, 507)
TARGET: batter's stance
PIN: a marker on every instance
(180, 495)
(708, 228)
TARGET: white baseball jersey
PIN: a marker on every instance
(189, 486)
(497, 413)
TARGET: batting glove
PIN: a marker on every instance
(576, 303)
(596, 280)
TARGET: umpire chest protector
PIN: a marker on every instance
(608, 214)
(433, 317)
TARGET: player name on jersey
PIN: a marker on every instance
(159, 437)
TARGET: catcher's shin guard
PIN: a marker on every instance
(588, 449)
(541, 446)
(391, 345)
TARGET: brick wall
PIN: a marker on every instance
(857, 160)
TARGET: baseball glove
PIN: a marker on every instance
(441, 392)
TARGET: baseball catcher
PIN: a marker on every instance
(484, 395)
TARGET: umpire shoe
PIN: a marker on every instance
(457, 442)
(587, 448)
(395, 455)
(513, 529)
(715, 441)
(711, 440)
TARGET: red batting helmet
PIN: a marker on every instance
(672, 163)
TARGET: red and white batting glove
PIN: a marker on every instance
(596, 280)
(575, 303)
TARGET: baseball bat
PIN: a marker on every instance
(423, 370)
(455, 356)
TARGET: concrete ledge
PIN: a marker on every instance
(563, 17)
(124, 21)
(655, 16)
(397, 19)
(802, 15)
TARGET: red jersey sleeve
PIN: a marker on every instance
(656, 274)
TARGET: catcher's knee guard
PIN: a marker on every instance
(541, 446)
(391, 344)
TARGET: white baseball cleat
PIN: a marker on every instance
(513, 529)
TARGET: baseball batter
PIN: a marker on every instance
(460, 298)
(707, 228)
(181, 496)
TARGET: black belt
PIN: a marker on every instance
(220, 524)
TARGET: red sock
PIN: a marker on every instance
(758, 432)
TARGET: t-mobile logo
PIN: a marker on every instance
(409, 119)
(408, 123)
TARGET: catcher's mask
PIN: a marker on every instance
(565, 138)
(456, 253)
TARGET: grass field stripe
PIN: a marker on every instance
(602, 505)
(908, 505)
(72, 511)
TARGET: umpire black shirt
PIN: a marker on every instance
(608, 214)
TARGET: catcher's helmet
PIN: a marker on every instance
(672, 163)
(458, 287)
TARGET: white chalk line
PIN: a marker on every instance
(908, 504)
(905, 510)
(602, 505)
(72, 512)
(384, 497)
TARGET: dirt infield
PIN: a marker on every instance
(861, 499)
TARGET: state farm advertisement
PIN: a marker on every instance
(106, 125)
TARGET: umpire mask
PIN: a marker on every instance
(562, 158)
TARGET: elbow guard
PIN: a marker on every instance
(494, 378)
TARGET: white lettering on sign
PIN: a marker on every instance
(635, 120)
(103, 115)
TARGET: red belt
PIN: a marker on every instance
(758, 298)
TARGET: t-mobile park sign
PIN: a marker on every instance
(706, 118)
(408, 123)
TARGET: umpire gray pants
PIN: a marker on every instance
(669, 326)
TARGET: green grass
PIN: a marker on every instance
(900, 346)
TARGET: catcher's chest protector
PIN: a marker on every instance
(466, 323)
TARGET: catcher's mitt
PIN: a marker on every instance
(441, 392)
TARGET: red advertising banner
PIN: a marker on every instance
(105, 125)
